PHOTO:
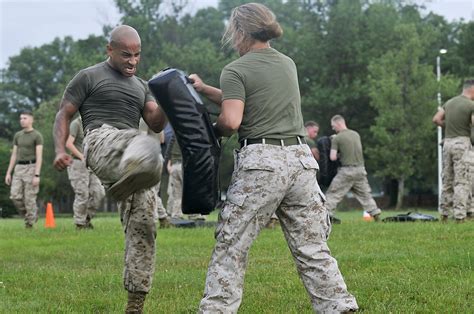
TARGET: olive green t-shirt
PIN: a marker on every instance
(347, 143)
(104, 95)
(457, 119)
(267, 82)
(75, 130)
(311, 143)
(26, 143)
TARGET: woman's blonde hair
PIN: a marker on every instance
(250, 22)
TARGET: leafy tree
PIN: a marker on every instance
(6, 205)
(403, 94)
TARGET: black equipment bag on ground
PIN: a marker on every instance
(193, 130)
(327, 167)
(410, 217)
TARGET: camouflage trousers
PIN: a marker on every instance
(352, 179)
(175, 190)
(456, 191)
(103, 148)
(160, 211)
(470, 161)
(266, 179)
(23, 193)
(88, 191)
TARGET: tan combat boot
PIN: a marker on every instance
(136, 301)
(165, 223)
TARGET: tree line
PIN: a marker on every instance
(371, 61)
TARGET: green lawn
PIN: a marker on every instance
(389, 267)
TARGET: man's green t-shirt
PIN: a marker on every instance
(457, 119)
(75, 130)
(267, 82)
(104, 95)
(26, 143)
(311, 143)
(347, 143)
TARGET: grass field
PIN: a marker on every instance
(389, 267)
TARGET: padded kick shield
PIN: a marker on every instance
(199, 145)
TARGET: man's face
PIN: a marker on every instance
(26, 121)
(335, 126)
(125, 56)
(312, 132)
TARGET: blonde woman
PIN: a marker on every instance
(275, 170)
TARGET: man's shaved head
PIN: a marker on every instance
(121, 33)
(124, 50)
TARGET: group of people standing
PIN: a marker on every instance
(275, 170)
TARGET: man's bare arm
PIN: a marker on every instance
(154, 116)
(61, 133)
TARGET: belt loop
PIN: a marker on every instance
(263, 141)
(299, 140)
(282, 143)
(245, 142)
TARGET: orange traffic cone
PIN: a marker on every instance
(367, 216)
(49, 223)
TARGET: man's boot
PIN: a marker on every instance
(164, 223)
(444, 218)
(272, 224)
(376, 217)
(136, 301)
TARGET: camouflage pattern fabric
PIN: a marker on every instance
(352, 179)
(160, 211)
(456, 189)
(470, 161)
(266, 179)
(175, 191)
(88, 191)
(23, 193)
(103, 149)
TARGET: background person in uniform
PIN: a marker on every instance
(26, 158)
(351, 176)
(175, 183)
(456, 116)
(88, 190)
(275, 170)
(111, 100)
(312, 131)
(160, 212)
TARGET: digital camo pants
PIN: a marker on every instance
(456, 189)
(266, 179)
(352, 179)
(175, 191)
(23, 193)
(104, 148)
(88, 191)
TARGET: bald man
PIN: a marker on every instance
(111, 100)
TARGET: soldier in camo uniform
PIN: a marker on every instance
(26, 159)
(351, 176)
(456, 116)
(111, 100)
(88, 191)
(274, 170)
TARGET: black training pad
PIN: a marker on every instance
(193, 129)
(327, 167)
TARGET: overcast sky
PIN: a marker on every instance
(35, 22)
